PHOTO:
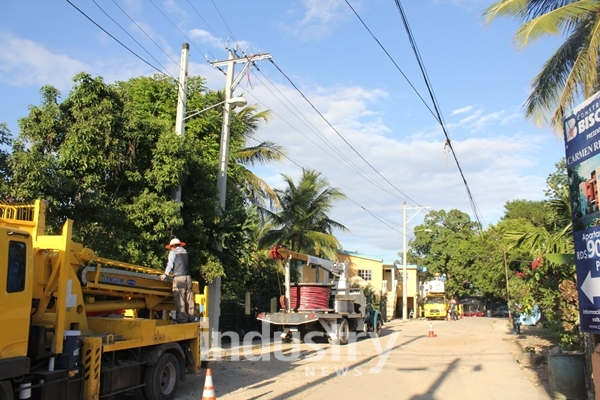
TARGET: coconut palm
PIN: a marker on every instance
(257, 191)
(302, 223)
(552, 245)
(571, 73)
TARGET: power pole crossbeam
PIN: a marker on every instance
(237, 60)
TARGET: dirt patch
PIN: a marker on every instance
(530, 350)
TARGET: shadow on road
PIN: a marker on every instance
(252, 371)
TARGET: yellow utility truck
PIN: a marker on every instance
(64, 333)
(435, 303)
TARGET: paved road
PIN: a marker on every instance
(468, 359)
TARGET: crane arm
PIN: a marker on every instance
(282, 253)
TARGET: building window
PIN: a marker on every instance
(365, 274)
(16, 267)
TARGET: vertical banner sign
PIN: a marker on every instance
(582, 146)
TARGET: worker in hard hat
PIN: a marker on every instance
(177, 262)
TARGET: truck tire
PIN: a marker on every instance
(139, 393)
(343, 332)
(161, 379)
(378, 327)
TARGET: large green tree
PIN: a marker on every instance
(442, 250)
(302, 222)
(571, 73)
(109, 158)
(534, 211)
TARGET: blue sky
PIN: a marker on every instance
(479, 78)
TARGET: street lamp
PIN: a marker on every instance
(234, 101)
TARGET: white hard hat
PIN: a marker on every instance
(174, 242)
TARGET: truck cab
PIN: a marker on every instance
(15, 304)
(436, 306)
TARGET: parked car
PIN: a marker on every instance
(500, 311)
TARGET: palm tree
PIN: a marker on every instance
(571, 73)
(302, 224)
(556, 245)
(256, 190)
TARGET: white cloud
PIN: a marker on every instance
(497, 168)
(462, 110)
(205, 37)
(26, 63)
(319, 19)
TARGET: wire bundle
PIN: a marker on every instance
(309, 297)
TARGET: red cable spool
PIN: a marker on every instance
(310, 296)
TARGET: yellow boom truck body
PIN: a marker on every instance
(63, 334)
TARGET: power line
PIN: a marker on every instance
(148, 36)
(436, 114)
(124, 30)
(448, 143)
(392, 60)
(207, 24)
(114, 38)
(339, 134)
(373, 214)
(346, 161)
(225, 22)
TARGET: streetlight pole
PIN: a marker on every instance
(404, 283)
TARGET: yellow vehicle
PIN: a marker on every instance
(436, 306)
(64, 332)
(435, 303)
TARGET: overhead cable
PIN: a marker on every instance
(475, 209)
(114, 38)
(338, 133)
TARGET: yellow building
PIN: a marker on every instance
(366, 267)
(392, 276)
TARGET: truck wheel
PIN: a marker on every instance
(343, 332)
(378, 327)
(139, 394)
(161, 379)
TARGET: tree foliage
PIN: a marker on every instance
(571, 73)
(108, 157)
(302, 223)
(534, 211)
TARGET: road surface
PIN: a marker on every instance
(467, 359)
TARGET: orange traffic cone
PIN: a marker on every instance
(431, 334)
(209, 388)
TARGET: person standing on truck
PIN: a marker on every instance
(177, 262)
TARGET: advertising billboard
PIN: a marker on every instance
(582, 147)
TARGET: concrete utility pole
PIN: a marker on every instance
(214, 289)
(404, 263)
(181, 102)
